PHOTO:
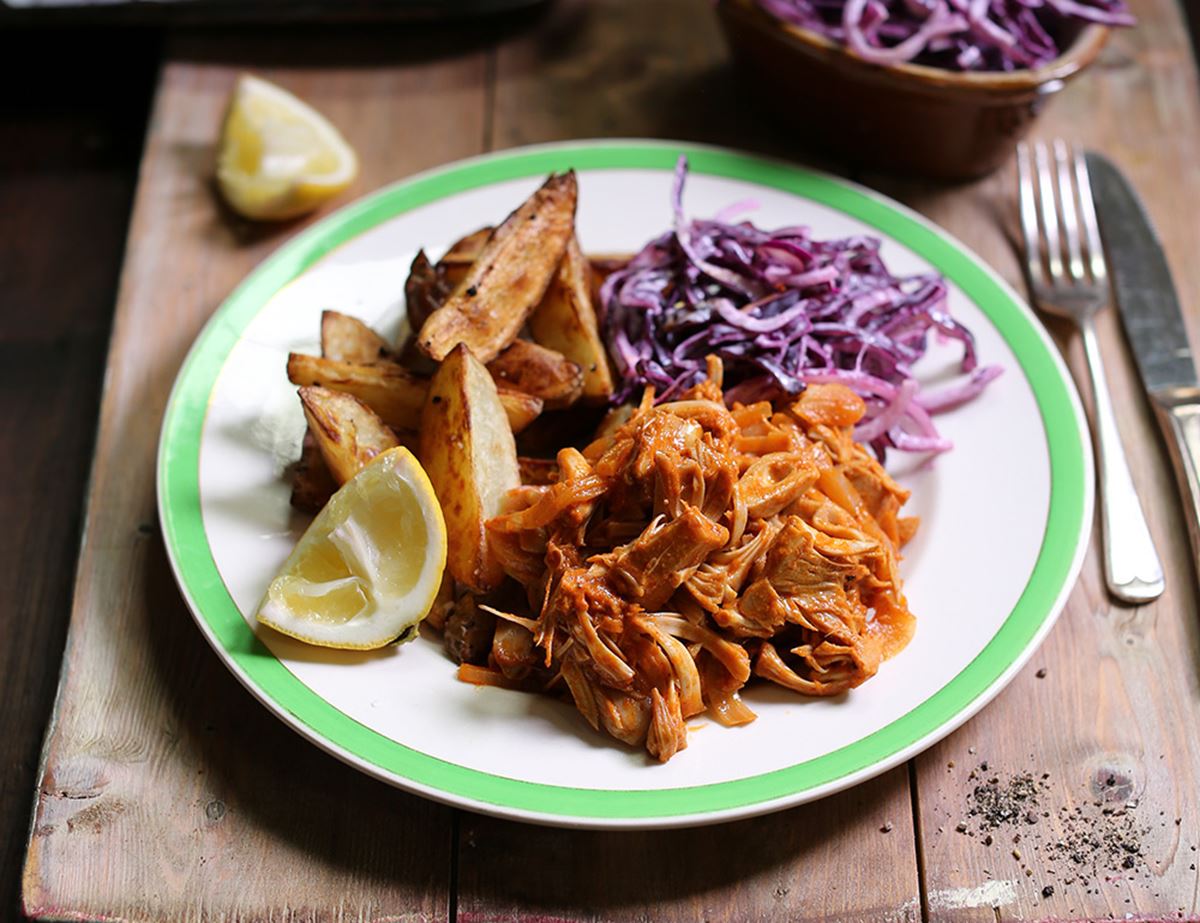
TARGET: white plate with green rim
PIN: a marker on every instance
(1005, 515)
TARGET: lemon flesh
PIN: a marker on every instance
(278, 157)
(368, 568)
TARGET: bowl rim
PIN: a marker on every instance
(1047, 78)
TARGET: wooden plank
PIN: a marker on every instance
(619, 69)
(658, 69)
(1118, 698)
(148, 814)
(167, 792)
(65, 193)
(830, 861)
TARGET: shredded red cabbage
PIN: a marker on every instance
(968, 35)
(784, 310)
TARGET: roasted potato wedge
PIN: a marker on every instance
(462, 253)
(414, 360)
(468, 451)
(490, 305)
(565, 321)
(389, 389)
(467, 249)
(456, 262)
(312, 484)
(521, 408)
(538, 371)
(428, 285)
(348, 433)
(347, 339)
(393, 392)
(424, 290)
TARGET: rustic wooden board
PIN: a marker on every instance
(659, 70)
(1118, 699)
(168, 793)
(65, 192)
(848, 857)
(612, 68)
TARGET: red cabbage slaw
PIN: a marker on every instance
(784, 310)
(980, 35)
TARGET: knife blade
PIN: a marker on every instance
(1154, 327)
(1142, 280)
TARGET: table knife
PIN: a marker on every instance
(1154, 326)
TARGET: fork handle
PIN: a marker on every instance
(1179, 414)
(1131, 565)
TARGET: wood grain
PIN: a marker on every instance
(611, 68)
(848, 858)
(659, 69)
(170, 794)
(1118, 699)
(167, 792)
(65, 192)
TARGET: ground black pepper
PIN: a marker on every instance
(996, 802)
(1101, 841)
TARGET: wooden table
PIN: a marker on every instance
(167, 793)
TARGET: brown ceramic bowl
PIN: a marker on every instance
(908, 118)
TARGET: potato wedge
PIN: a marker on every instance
(456, 261)
(467, 249)
(414, 360)
(538, 371)
(389, 389)
(428, 285)
(492, 302)
(347, 339)
(468, 451)
(348, 433)
(578, 276)
(424, 290)
(312, 484)
(393, 392)
(521, 408)
(565, 321)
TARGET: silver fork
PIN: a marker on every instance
(1055, 199)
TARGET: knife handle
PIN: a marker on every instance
(1131, 566)
(1179, 415)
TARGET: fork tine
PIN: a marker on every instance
(1087, 209)
(1070, 214)
(1049, 211)
(1027, 207)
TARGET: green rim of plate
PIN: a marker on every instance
(187, 543)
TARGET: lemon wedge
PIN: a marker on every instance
(278, 157)
(368, 568)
